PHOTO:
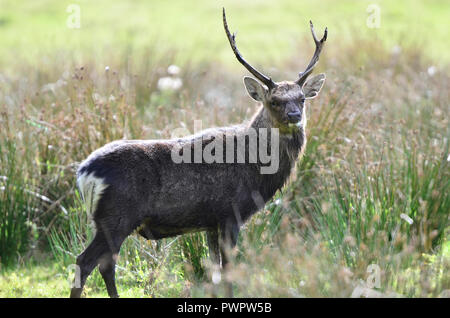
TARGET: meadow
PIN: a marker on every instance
(367, 207)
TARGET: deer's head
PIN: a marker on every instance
(284, 100)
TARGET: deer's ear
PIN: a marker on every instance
(312, 87)
(255, 89)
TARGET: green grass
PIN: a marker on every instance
(378, 143)
(33, 281)
(17, 203)
(50, 280)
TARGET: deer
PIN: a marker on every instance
(136, 186)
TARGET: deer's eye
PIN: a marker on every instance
(275, 104)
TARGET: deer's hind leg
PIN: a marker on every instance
(103, 251)
(107, 262)
(87, 261)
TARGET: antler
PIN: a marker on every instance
(319, 44)
(232, 38)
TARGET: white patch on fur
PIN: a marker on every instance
(304, 120)
(91, 189)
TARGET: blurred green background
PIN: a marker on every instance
(269, 31)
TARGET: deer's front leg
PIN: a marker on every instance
(228, 239)
(212, 238)
(219, 246)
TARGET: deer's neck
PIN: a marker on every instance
(291, 143)
(261, 119)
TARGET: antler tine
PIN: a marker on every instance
(319, 45)
(232, 39)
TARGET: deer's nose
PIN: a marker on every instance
(294, 117)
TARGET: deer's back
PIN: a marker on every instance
(141, 180)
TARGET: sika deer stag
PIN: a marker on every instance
(164, 188)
